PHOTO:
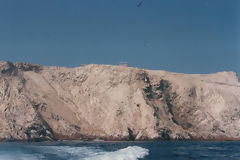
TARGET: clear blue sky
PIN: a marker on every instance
(189, 36)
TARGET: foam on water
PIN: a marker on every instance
(20, 156)
(168, 150)
(74, 153)
(129, 153)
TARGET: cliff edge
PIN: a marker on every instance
(116, 103)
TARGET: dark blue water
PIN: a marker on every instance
(72, 150)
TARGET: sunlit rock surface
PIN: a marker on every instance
(116, 103)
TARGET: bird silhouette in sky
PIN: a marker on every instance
(140, 3)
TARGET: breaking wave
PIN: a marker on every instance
(73, 153)
(129, 153)
(20, 156)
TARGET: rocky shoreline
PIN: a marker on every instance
(116, 103)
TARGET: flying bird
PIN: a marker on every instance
(140, 3)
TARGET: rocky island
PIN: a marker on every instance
(116, 103)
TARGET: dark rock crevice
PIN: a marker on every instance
(163, 91)
(28, 67)
(40, 130)
(130, 134)
(8, 68)
(164, 133)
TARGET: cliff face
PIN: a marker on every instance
(116, 103)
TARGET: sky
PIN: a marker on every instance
(200, 36)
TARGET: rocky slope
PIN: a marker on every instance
(116, 103)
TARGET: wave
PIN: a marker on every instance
(129, 153)
(73, 153)
(20, 156)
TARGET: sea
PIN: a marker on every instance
(151, 150)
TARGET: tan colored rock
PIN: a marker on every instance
(116, 103)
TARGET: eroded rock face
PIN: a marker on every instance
(116, 103)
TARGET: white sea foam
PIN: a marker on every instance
(74, 153)
(70, 152)
(129, 153)
(20, 156)
(91, 153)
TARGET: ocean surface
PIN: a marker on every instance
(157, 150)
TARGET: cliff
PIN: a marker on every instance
(116, 103)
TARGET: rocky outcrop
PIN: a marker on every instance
(116, 103)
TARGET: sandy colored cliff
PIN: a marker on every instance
(116, 103)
